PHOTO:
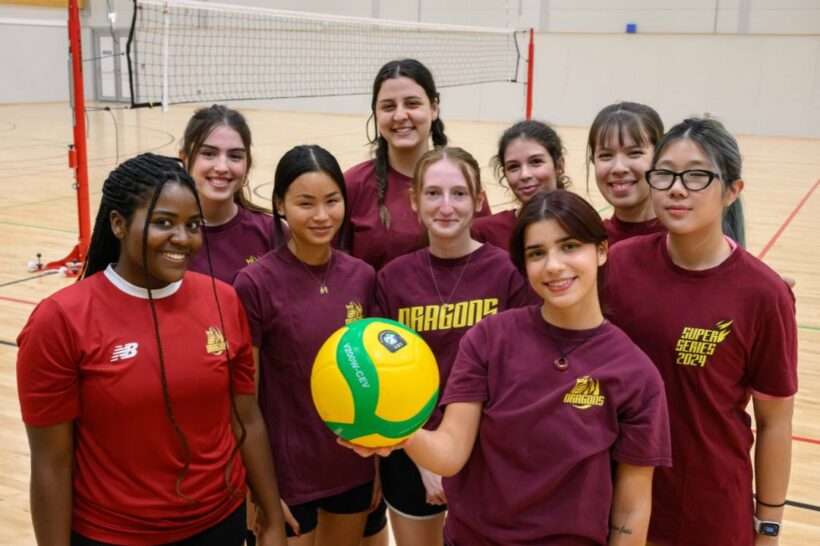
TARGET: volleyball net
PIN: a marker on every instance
(184, 51)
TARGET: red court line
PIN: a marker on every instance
(788, 221)
(807, 440)
(15, 300)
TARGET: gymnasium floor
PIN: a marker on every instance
(38, 215)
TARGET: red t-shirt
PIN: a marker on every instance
(240, 241)
(618, 230)
(715, 335)
(88, 355)
(539, 472)
(466, 290)
(371, 241)
(496, 229)
(290, 320)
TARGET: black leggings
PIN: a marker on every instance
(228, 532)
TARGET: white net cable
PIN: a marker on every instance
(186, 51)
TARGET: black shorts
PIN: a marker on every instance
(228, 532)
(351, 501)
(376, 520)
(403, 489)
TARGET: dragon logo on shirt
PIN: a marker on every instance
(215, 343)
(353, 312)
(585, 394)
(696, 345)
(250, 259)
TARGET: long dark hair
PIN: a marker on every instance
(404, 68)
(722, 149)
(201, 124)
(136, 183)
(307, 158)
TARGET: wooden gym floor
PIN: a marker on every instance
(38, 215)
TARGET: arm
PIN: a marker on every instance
(52, 457)
(258, 461)
(631, 505)
(773, 454)
(445, 450)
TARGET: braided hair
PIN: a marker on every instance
(404, 68)
(136, 183)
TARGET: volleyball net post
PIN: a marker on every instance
(530, 71)
(77, 152)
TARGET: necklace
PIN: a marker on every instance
(323, 281)
(458, 281)
(562, 362)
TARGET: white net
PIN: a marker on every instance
(187, 51)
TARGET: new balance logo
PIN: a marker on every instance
(124, 352)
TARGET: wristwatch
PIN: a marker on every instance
(767, 528)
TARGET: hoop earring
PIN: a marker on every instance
(375, 129)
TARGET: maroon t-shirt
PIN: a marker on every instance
(233, 245)
(540, 470)
(465, 290)
(495, 229)
(371, 241)
(289, 321)
(618, 230)
(715, 335)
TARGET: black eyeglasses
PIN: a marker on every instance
(692, 180)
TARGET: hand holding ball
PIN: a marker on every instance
(374, 382)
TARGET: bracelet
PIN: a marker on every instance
(766, 504)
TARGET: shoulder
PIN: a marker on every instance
(359, 174)
(255, 217)
(495, 255)
(398, 267)
(353, 266)
(760, 280)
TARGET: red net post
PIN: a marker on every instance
(530, 70)
(78, 158)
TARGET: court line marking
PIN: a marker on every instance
(804, 505)
(787, 221)
(9, 343)
(16, 300)
(31, 277)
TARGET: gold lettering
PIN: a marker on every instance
(417, 317)
(430, 318)
(460, 313)
(490, 307)
(445, 320)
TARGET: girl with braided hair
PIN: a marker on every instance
(137, 393)
(406, 114)
(216, 149)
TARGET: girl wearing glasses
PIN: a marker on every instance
(717, 343)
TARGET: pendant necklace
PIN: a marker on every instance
(323, 281)
(458, 281)
(562, 362)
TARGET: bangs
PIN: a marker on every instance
(623, 126)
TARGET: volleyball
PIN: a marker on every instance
(374, 382)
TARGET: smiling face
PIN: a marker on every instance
(529, 168)
(446, 202)
(220, 166)
(563, 271)
(686, 212)
(620, 163)
(404, 114)
(174, 236)
(314, 210)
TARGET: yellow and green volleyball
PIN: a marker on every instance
(374, 382)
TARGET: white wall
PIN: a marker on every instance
(767, 85)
